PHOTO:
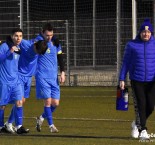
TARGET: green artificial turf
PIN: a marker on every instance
(86, 116)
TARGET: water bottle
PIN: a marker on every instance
(126, 98)
(122, 99)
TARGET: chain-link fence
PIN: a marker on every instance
(88, 32)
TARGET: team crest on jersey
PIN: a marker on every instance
(48, 50)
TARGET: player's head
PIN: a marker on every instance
(146, 30)
(47, 31)
(17, 36)
(41, 46)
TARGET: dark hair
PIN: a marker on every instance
(47, 27)
(41, 46)
(16, 30)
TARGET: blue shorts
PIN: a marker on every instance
(26, 85)
(9, 94)
(47, 88)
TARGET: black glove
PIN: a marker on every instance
(18, 51)
(9, 42)
(55, 41)
(41, 46)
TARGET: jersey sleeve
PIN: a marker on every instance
(4, 52)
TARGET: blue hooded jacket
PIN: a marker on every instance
(139, 60)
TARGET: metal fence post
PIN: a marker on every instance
(134, 18)
(28, 21)
(94, 33)
(67, 50)
(118, 39)
(75, 33)
(21, 14)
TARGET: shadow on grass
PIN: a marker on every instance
(69, 136)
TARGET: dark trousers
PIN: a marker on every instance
(144, 101)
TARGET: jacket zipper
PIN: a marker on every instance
(145, 59)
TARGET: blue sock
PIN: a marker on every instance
(1, 117)
(48, 113)
(11, 118)
(53, 108)
(44, 115)
(18, 115)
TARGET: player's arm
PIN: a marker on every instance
(4, 51)
(61, 63)
(56, 43)
(3, 55)
(62, 67)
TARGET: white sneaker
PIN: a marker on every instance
(53, 129)
(134, 131)
(9, 127)
(144, 135)
(39, 123)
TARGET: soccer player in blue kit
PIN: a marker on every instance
(10, 87)
(47, 84)
(26, 67)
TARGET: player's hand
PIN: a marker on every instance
(62, 77)
(122, 85)
(13, 48)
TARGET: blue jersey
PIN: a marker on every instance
(47, 63)
(8, 65)
(28, 59)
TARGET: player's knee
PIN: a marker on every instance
(47, 102)
(19, 103)
(55, 103)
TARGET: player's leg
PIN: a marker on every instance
(136, 122)
(150, 99)
(41, 118)
(49, 116)
(55, 95)
(2, 127)
(11, 119)
(26, 81)
(47, 111)
(41, 86)
(140, 107)
(4, 91)
(54, 104)
(26, 85)
(18, 111)
(44, 91)
(2, 116)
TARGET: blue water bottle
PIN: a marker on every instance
(122, 100)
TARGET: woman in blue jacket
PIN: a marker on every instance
(139, 61)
